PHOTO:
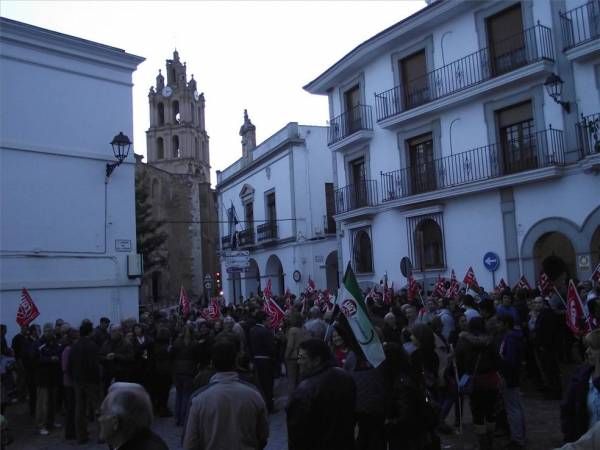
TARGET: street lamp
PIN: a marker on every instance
(554, 85)
(120, 145)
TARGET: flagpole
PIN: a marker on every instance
(560, 296)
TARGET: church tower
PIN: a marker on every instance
(177, 141)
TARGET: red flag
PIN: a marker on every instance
(522, 284)
(184, 302)
(27, 311)
(453, 289)
(214, 310)
(288, 299)
(267, 291)
(440, 288)
(274, 312)
(574, 314)
(414, 288)
(544, 284)
(596, 274)
(502, 286)
(311, 287)
(470, 279)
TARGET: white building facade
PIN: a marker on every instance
(67, 231)
(278, 192)
(448, 145)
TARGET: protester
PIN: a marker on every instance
(228, 413)
(69, 391)
(48, 375)
(262, 348)
(295, 335)
(320, 412)
(186, 357)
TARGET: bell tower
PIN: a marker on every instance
(177, 141)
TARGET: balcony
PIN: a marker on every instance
(580, 25)
(226, 242)
(350, 124)
(588, 135)
(531, 45)
(246, 237)
(355, 196)
(267, 231)
(540, 150)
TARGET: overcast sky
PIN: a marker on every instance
(253, 55)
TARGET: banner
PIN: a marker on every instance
(574, 316)
(27, 311)
(351, 304)
(214, 310)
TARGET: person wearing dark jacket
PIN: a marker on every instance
(126, 417)
(83, 367)
(546, 342)
(185, 355)
(47, 376)
(511, 351)
(476, 357)
(320, 412)
(262, 349)
(117, 357)
(161, 383)
(580, 409)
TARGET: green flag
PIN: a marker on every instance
(351, 304)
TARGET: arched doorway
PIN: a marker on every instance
(275, 273)
(554, 254)
(595, 248)
(252, 279)
(331, 272)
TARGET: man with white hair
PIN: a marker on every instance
(316, 326)
(126, 417)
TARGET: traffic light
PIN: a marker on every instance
(218, 281)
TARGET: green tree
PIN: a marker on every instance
(150, 236)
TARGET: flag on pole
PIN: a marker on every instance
(272, 309)
(453, 289)
(414, 289)
(502, 286)
(439, 290)
(233, 222)
(184, 302)
(596, 274)
(311, 287)
(575, 316)
(351, 304)
(545, 285)
(27, 311)
(522, 284)
(387, 292)
(470, 279)
(214, 309)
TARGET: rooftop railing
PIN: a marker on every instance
(580, 25)
(541, 149)
(529, 46)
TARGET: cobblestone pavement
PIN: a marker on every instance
(542, 416)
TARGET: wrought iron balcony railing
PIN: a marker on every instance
(541, 149)
(356, 119)
(580, 25)
(529, 46)
(356, 196)
(588, 135)
(246, 237)
(267, 231)
(226, 242)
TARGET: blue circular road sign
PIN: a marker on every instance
(491, 261)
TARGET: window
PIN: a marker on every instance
(352, 105)
(426, 240)
(421, 163)
(176, 115)
(192, 111)
(271, 211)
(176, 149)
(506, 40)
(413, 70)
(362, 252)
(517, 137)
(160, 148)
(330, 208)
(161, 114)
(358, 191)
(196, 149)
(249, 215)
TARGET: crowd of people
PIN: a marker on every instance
(443, 354)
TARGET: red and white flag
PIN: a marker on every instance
(522, 284)
(575, 317)
(288, 299)
(470, 279)
(311, 287)
(502, 286)
(453, 289)
(27, 311)
(267, 293)
(440, 287)
(544, 284)
(414, 289)
(272, 309)
(214, 309)
(596, 274)
(184, 302)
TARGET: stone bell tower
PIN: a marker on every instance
(177, 141)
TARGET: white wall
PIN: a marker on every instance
(63, 100)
